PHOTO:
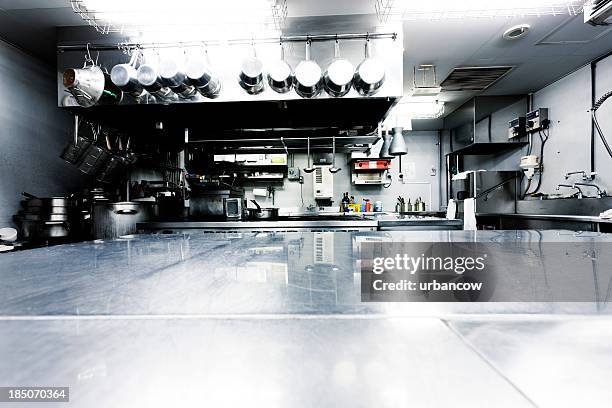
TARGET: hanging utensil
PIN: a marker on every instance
(308, 76)
(338, 78)
(309, 168)
(280, 74)
(251, 74)
(124, 76)
(333, 169)
(201, 76)
(370, 74)
(175, 79)
(148, 77)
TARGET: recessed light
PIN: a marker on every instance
(516, 32)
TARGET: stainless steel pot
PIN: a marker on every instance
(113, 169)
(370, 74)
(202, 77)
(260, 213)
(112, 220)
(149, 78)
(251, 76)
(280, 75)
(339, 75)
(43, 230)
(74, 152)
(124, 76)
(91, 86)
(175, 79)
(33, 201)
(308, 77)
(94, 160)
(47, 217)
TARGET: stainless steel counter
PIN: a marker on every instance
(415, 223)
(275, 319)
(258, 226)
(371, 222)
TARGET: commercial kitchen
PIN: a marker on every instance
(200, 201)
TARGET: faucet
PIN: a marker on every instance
(585, 175)
(600, 193)
(580, 194)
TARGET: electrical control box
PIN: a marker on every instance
(323, 183)
(293, 174)
(516, 127)
(537, 120)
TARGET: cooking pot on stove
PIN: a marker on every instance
(261, 213)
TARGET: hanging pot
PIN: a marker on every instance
(91, 86)
(280, 74)
(370, 74)
(124, 76)
(251, 75)
(308, 77)
(202, 77)
(175, 79)
(339, 75)
(149, 78)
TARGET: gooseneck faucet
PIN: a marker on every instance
(600, 192)
(574, 186)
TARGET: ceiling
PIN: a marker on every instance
(555, 46)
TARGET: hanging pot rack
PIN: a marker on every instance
(131, 46)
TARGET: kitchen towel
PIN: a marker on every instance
(469, 214)
(260, 192)
(451, 210)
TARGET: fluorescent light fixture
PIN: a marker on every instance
(420, 110)
(446, 9)
(185, 20)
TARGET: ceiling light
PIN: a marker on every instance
(516, 32)
(406, 110)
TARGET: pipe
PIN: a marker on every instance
(272, 40)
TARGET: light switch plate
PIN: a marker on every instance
(293, 174)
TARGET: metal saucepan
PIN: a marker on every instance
(39, 230)
(308, 77)
(94, 160)
(175, 79)
(202, 77)
(85, 84)
(91, 86)
(280, 74)
(72, 153)
(33, 201)
(149, 78)
(339, 75)
(260, 213)
(370, 74)
(124, 76)
(251, 75)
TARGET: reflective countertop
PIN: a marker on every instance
(276, 319)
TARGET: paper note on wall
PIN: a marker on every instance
(409, 170)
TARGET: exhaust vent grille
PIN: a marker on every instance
(473, 78)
